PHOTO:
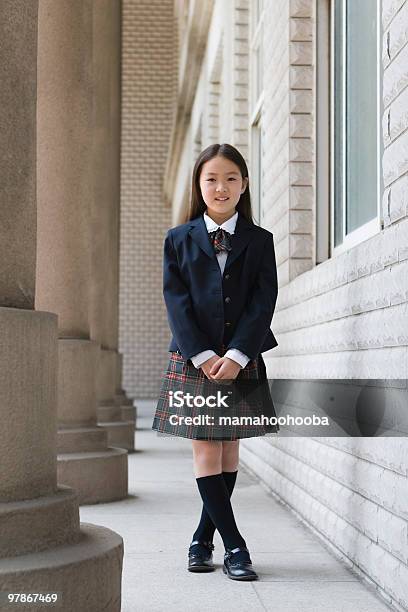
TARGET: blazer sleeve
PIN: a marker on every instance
(255, 321)
(188, 336)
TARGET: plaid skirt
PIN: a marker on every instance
(214, 410)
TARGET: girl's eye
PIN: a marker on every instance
(230, 179)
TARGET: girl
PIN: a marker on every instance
(220, 289)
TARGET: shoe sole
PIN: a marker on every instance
(240, 578)
(201, 569)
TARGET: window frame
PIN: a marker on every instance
(374, 226)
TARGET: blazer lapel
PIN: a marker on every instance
(200, 235)
(239, 239)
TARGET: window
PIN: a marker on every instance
(355, 121)
(256, 101)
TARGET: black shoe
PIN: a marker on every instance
(238, 564)
(200, 558)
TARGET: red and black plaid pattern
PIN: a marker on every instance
(249, 399)
(221, 240)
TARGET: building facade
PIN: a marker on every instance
(314, 94)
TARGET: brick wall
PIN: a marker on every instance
(239, 67)
(288, 134)
(346, 318)
(148, 87)
(395, 120)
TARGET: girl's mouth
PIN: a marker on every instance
(222, 199)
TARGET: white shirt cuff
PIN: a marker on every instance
(200, 358)
(237, 356)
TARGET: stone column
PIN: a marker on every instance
(42, 548)
(117, 420)
(65, 201)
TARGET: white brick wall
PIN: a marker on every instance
(344, 499)
(239, 65)
(148, 87)
(288, 134)
(395, 121)
(347, 318)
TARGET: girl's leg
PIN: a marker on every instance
(214, 492)
(207, 456)
(229, 465)
(214, 457)
(230, 456)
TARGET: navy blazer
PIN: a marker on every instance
(206, 309)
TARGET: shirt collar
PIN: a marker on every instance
(228, 225)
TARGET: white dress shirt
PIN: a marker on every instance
(233, 354)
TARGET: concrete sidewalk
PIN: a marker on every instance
(157, 520)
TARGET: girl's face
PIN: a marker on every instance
(221, 185)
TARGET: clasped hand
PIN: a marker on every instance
(220, 368)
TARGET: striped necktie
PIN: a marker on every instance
(221, 240)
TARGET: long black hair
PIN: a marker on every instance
(197, 204)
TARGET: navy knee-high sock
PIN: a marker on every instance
(216, 499)
(206, 528)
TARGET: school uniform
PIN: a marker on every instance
(218, 303)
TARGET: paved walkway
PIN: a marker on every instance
(156, 521)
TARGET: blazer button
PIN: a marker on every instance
(227, 300)
(226, 276)
(227, 324)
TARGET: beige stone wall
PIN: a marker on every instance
(288, 134)
(148, 84)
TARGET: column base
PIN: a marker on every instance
(82, 440)
(85, 461)
(120, 433)
(33, 525)
(98, 477)
(87, 574)
(113, 413)
(128, 413)
(121, 399)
